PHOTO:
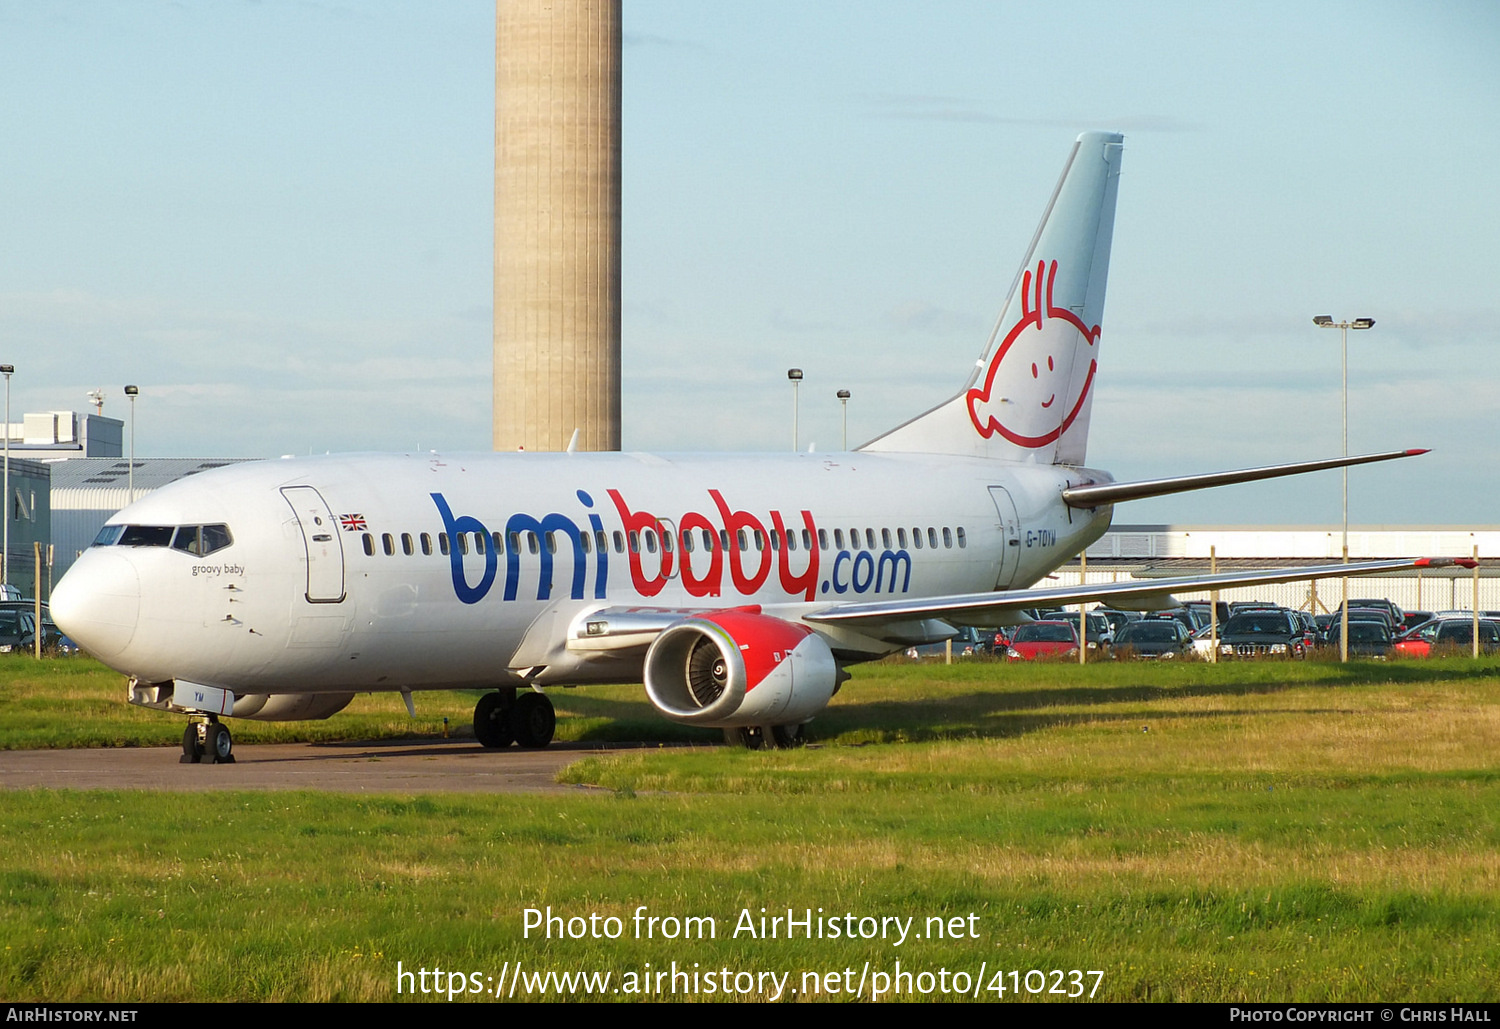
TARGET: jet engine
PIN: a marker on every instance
(733, 669)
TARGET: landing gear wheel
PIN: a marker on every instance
(192, 753)
(494, 721)
(746, 737)
(781, 737)
(534, 720)
(218, 746)
(764, 737)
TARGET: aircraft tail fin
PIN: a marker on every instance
(1030, 396)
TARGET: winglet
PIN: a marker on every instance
(1447, 562)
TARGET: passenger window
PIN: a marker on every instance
(901, 538)
(666, 541)
(583, 539)
(743, 539)
(962, 540)
(388, 544)
(947, 538)
(532, 544)
(480, 539)
(601, 541)
(687, 541)
(870, 538)
(650, 535)
(776, 542)
(635, 542)
(708, 540)
(916, 538)
(885, 538)
(443, 543)
(462, 539)
(426, 544)
(724, 540)
(760, 539)
(406, 545)
(932, 537)
(806, 540)
(619, 542)
(822, 539)
(499, 542)
(838, 539)
(369, 545)
(515, 543)
(551, 542)
(791, 541)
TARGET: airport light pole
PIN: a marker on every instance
(1324, 321)
(795, 376)
(7, 370)
(843, 396)
(132, 392)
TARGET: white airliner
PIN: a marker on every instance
(737, 588)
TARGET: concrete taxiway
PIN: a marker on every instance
(445, 766)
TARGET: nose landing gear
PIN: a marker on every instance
(206, 741)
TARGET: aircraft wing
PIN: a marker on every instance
(1000, 607)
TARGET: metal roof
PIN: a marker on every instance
(150, 472)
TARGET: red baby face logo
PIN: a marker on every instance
(1037, 356)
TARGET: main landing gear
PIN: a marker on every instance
(206, 741)
(764, 737)
(502, 718)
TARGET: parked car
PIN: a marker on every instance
(1367, 637)
(1156, 638)
(1394, 613)
(1043, 639)
(967, 643)
(1118, 619)
(1192, 619)
(1454, 634)
(1414, 619)
(1263, 632)
(18, 629)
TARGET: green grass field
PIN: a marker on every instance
(1238, 832)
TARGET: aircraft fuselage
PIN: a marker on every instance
(439, 571)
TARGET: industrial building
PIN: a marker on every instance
(1162, 551)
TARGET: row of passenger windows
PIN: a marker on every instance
(190, 539)
(689, 540)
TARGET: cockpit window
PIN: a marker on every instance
(197, 540)
(146, 536)
(201, 539)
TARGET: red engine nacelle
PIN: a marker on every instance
(735, 668)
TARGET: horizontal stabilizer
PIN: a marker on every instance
(998, 608)
(1099, 494)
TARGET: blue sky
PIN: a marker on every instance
(275, 217)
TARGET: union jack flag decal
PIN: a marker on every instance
(353, 522)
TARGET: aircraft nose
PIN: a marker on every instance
(98, 603)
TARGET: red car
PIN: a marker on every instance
(1454, 635)
(1043, 639)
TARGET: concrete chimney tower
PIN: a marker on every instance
(557, 224)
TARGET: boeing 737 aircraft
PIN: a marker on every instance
(737, 588)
